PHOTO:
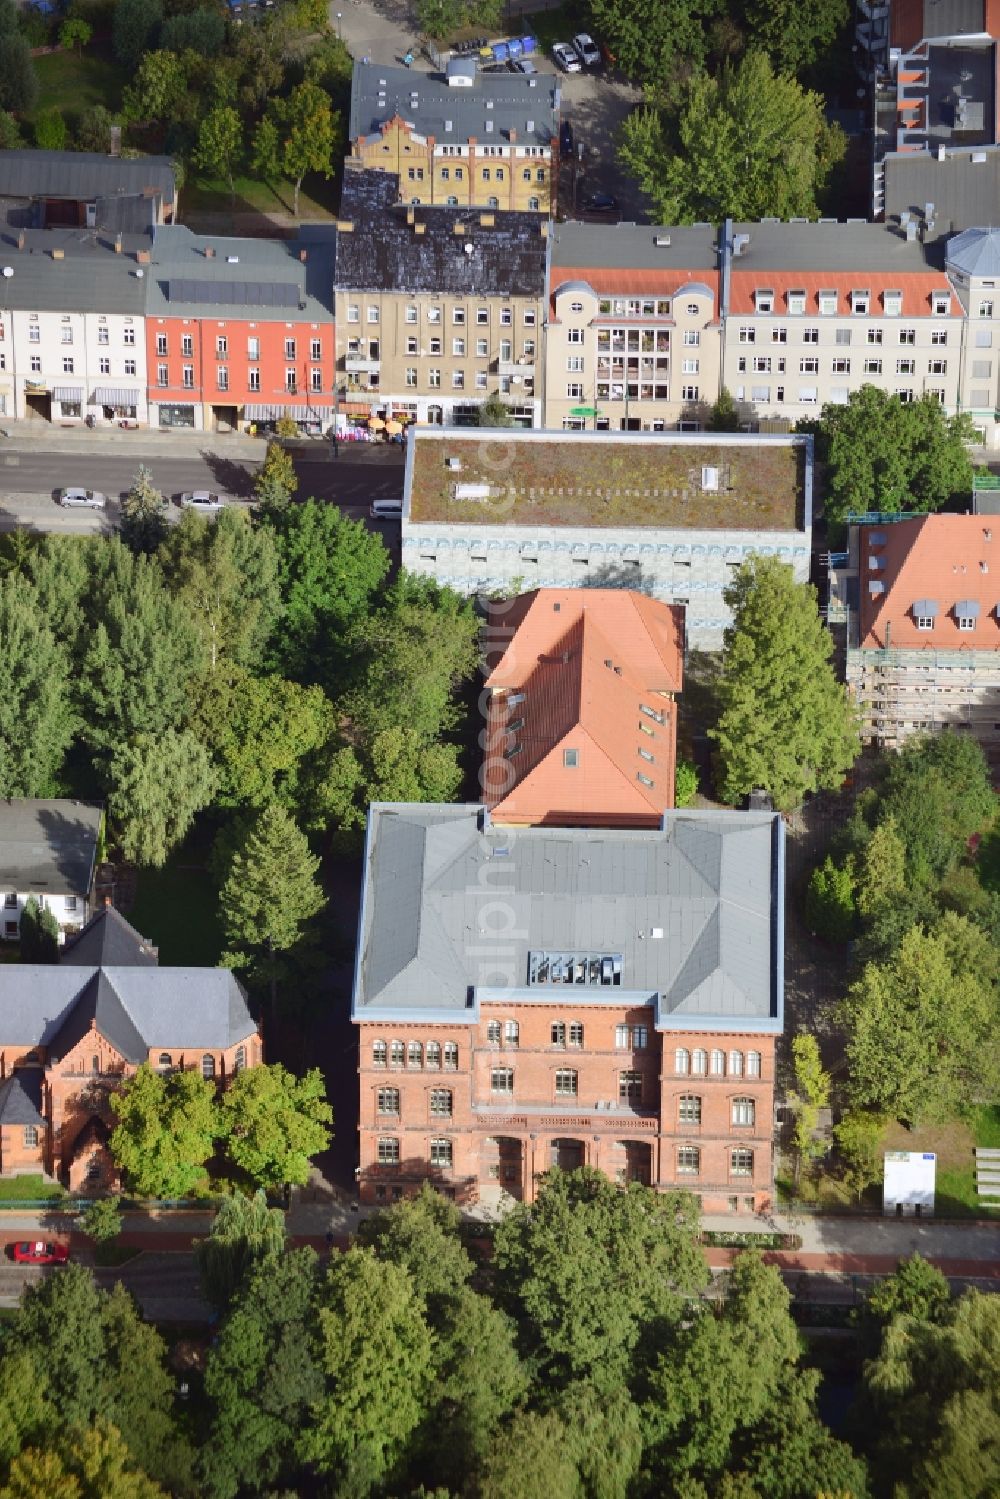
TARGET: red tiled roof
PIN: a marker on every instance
(941, 559)
(585, 659)
(916, 288)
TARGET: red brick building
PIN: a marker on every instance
(240, 331)
(70, 1032)
(582, 718)
(537, 997)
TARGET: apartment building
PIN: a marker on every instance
(671, 514)
(48, 851)
(529, 998)
(239, 332)
(920, 601)
(814, 311)
(633, 340)
(70, 1032)
(436, 308)
(973, 265)
(465, 139)
(581, 728)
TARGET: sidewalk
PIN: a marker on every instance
(56, 439)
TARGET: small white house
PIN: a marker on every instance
(48, 849)
(908, 1189)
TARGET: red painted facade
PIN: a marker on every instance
(227, 361)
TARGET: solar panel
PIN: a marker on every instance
(234, 293)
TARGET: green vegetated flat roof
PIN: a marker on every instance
(613, 484)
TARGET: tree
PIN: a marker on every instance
(39, 933)
(859, 1141)
(220, 144)
(246, 1235)
(102, 1220)
(439, 18)
(76, 33)
(136, 23)
(809, 1097)
(274, 1123)
(830, 911)
(376, 1353)
(922, 1029)
(794, 33)
(225, 573)
(915, 1289)
(51, 133)
(93, 133)
(881, 870)
(494, 412)
(421, 1235)
(36, 716)
(685, 783)
(269, 893)
(158, 88)
(654, 41)
(745, 144)
(531, 1459)
(143, 524)
(18, 79)
(11, 138)
(587, 1267)
(786, 723)
(157, 785)
(276, 480)
(265, 157)
(262, 1379)
(165, 1132)
(938, 791)
(306, 130)
(26, 1415)
(84, 1464)
(329, 570)
(202, 31)
(723, 416)
(885, 454)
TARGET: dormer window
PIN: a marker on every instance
(828, 303)
(892, 302)
(925, 613)
(860, 303)
(967, 613)
(941, 303)
(796, 301)
(764, 300)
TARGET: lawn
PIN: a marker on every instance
(547, 26)
(177, 908)
(202, 194)
(29, 1189)
(953, 1144)
(73, 84)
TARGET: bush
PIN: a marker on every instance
(685, 784)
(51, 133)
(830, 909)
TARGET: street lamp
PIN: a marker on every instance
(340, 30)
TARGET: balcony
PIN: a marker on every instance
(354, 365)
(525, 367)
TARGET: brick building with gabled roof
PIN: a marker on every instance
(582, 723)
(921, 600)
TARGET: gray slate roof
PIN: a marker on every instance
(450, 908)
(48, 846)
(108, 940)
(89, 277)
(633, 247)
(382, 252)
(527, 105)
(21, 1097)
(267, 275)
(829, 246)
(83, 175)
(976, 252)
(965, 192)
(953, 17)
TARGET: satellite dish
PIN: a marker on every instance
(139, 274)
(8, 271)
(469, 249)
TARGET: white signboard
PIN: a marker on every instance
(909, 1183)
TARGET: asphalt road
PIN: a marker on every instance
(29, 478)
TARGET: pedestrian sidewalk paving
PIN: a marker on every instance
(142, 440)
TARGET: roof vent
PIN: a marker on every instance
(489, 104)
(489, 127)
(455, 464)
(138, 274)
(232, 260)
(663, 240)
(448, 126)
(656, 932)
(531, 126)
(209, 252)
(979, 157)
(471, 492)
(710, 479)
(740, 242)
(942, 152)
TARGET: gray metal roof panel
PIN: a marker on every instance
(829, 247)
(108, 939)
(382, 251)
(83, 174)
(240, 272)
(21, 1097)
(449, 908)
(49, 846)
(624, 247)
(517, 101)
(975, 252)
(965, 192)
(89, 276)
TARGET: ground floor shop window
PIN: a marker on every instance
(176, 416)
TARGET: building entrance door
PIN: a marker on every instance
(568, 1155)
(638, 1162)
(38, 405)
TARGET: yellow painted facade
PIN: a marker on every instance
(504, 174)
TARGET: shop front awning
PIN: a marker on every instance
(68, 393)
(266, 413)
(114, 395)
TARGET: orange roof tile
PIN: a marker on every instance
(944, 560)
(576, 675)
(917, 288)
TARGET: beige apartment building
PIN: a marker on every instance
(973, 263)
(436, 308)
(466, 139)
(814, 311)
(633, 340)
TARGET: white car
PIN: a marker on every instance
(203, 500)
(92, 499)
(566, 58)
(587, 50)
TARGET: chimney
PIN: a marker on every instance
(303, 256)
(458, 228)
(143, 257)
(345, 226)
(420, 228)
(118, 244)
(543, 229)
(487, 220)
(512, 135)
(20, 240)
(58, 254)
(209, 252)
(410, 216)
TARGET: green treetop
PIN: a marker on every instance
(36, 715)
(225, 572)
(165, 1132)
(245, 1235)
(143, 522)
(274, 1123)
(157, 785)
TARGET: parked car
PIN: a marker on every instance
(522, 65)
(566, 58)
(387, 510)
(565, 138)
(599, 203)
(203, 500)
(587, 50)
(38, 1252)
(91, 498)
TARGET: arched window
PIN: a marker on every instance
(397, 1053)
(380, 1053)
(95, 1065)
(682, 1060)
(699, 1061)
(241, 1058)
(718, 1064)
(442, 1154)
(414, 1054)
(744, 1111)
(432, 1054)
(735, 1064)
(753, 1064)
(166, 1061)
(208, 1066)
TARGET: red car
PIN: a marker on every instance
(40, 1253)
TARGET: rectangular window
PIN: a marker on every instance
(353, 313)
(630, 1087)
(388, 1152)
(315, 348)
(810, 335)
(574, 364)
(741, 1163)
(828, 303)
(574, 391)
(372, 312)
(102, 335)
(982, 369)
(441, 1154)
(387, 1101)
(574, 336)
(482, 348)
(458, 379)
(874, 335)
(688, 1160)
(482, 316)
(986, 309)
(34, 334)
(689, 393)
(842, 336)
(458, 348)
(450, 1056)
(689, 1109)
(796, 302)
(162, 374)
(938, 367)
(502, 1081)
(907, 335)
(576, 1033)
(130, 366)
(458, 316)
(316, 380)
(434, 378)
(567, 1082)
(441, 1105)
(941, 304)
(557, 1033)
(67, 366)
(187, 345)
(873, 366)
(253, 348)
(221, 346)
(841, 366)
(939, 336)
(289, 348)
(411, 314)
(128, 335)
(291, 382)
(36, 364)
(161, 344)
(187, 377)
(748, 335)
(892, 301)
(529, 317)
(104, 366)
(253, 380)
(809, 366)
(222, 377)
(30, 1136)
(906, 366)
(411, 376)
